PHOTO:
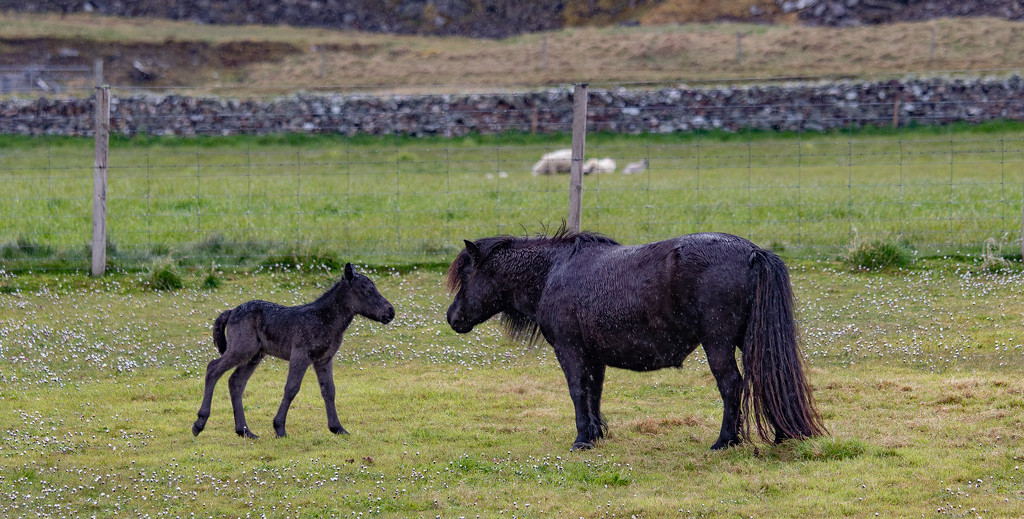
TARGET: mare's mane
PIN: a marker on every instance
(487, 246)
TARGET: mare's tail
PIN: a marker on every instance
(773, 375)
(219, 339)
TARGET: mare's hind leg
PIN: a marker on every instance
(722, 361)
(325, 375)
(297, 366)
(236, 386)
(214, 370)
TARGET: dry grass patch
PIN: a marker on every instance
(655, 426)
(313, 58)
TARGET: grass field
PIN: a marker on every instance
(916, 372)
(399, 201)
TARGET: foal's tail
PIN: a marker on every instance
(774, 383)
(219, 339)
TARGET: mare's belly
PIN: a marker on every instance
(643, 355)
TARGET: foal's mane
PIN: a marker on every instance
(518, 325)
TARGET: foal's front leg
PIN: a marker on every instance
(298, 364)
(325, 375)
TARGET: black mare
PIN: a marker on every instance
(303, 335)
(643, 308)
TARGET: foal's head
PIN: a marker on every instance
(364, 299)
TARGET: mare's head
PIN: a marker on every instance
(478, 285)
(364, 299)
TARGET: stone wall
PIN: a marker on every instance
(851, 13)
(797, 107)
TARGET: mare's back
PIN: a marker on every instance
(609, 280)
(614, 278)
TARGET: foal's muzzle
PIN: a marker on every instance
(387, 315)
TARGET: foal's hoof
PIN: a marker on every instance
(338, 430)
(582, 446)
(246, 433)
(196, 429)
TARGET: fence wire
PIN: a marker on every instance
(311, 194)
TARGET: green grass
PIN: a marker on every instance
(241, 200)
(916, 373)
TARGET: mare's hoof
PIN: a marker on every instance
(246, 433)
(196, 429)
(724, 444)
(281, 434)
(582, 446)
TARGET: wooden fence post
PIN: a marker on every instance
(99, 185)
(579, 138)
(544, 52)
(739, 48)
(97, 72)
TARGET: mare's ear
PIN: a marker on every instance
(349, 272)
(473, 251)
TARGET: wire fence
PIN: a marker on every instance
(44, 79)
(309, 193)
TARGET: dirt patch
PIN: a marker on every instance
(170, 63)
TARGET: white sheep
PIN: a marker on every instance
(558, 161)
(635, 167)
(605, 165)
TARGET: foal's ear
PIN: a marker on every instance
(349, 272)
(473, 251)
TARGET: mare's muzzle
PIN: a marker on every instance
(456, 322)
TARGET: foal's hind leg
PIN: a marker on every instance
(325, 375)
(722, 361)
(214, 370)
(236, 387)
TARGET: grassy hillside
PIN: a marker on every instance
(250, 59)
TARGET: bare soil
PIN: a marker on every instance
(169, 63)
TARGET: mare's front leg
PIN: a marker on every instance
(722, 361)
(325, 376)
(297, 366)
(585, 383)
(236, 387)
